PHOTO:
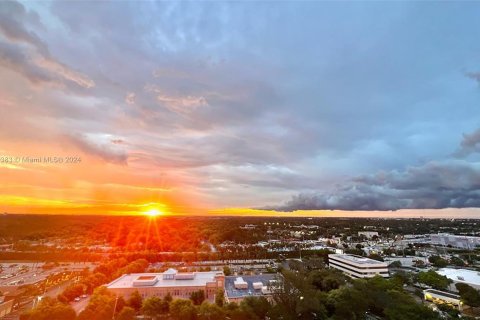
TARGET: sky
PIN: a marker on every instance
(229, 107)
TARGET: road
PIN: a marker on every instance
(80, 305)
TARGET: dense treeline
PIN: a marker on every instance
(181, 233)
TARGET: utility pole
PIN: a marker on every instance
(115, 307)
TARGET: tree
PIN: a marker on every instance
(52, 309)
(295, 298)
(93, 281)
(375, 256)
(258, 306)
(208, 311)
(126, 313)
(71, 292)
(457, 261)
(220, 297)
(468, 294)
(101, 305)
(168, 298)
(182, 309)
(438, 262)
(326, 279)
(434, 280)
(227, 271)
(347, 303)
(135, 301)
(401, 306)
(154, 306)
(395, 264)
(197, 297)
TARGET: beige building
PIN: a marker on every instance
(177, 284)
(358, 267)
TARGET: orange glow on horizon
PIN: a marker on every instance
(153, 213)
(154, 210)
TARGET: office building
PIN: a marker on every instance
(358, 267)
(177, 284)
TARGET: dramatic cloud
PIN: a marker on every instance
(435, 185)
(339, 105)
(33, 60)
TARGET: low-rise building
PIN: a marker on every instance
(470, 277)
(239, 287)
(368, 234)
(442, 297)
(177, 284)
(358, 267)
(464, 242)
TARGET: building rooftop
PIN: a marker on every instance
(443, 293)
(135, 280)
(461, 275)
(232, 292)
(356, 259)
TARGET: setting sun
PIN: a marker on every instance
(153, 213)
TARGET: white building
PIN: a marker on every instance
(358, 267)
(368, 234)
(470, 277)
(178, 285)
(238, 288)
(464, 242)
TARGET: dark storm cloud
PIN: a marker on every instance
(450, 183)
(435, 185)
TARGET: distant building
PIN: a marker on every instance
(408, 261)
(463, 242)
(358, 267)
(177, 284)
(441, 297)
(368, 234)
(248, 226)
(239, 287)
(470, 277)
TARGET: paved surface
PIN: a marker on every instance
(80, 305)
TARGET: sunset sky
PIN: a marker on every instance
(201, 107)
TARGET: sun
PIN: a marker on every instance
(153, 213)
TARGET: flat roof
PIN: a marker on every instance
(466, 276)
(232, 292)
(126, 280)
(356, 259)
(443, 293)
